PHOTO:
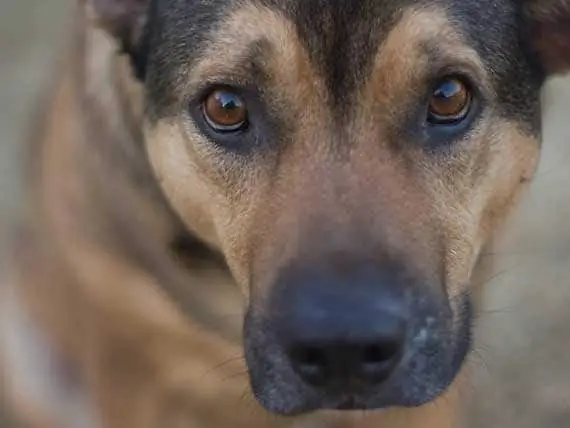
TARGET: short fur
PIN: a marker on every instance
(145, 239)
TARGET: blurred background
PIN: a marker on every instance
(522, 355)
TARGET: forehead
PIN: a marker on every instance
(342, 38)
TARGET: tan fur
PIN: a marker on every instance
(91, 271)
(202, 200)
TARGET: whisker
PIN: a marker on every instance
(223, 363)
(497, 275)
(235, 375)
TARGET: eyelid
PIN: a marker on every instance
(206, 87)
(245, 73)
(476, 80)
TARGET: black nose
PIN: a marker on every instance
(342, 333)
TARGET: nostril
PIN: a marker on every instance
(378, 360)
(311, 356)
(379, 353)
(311, 362)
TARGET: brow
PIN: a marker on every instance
(446, 59)
(246, 67)
(424, 44)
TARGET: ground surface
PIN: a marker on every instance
(524, 346)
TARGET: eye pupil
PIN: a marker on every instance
(450, 102)
(225, 111)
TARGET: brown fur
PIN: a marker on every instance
(307, 164)
(89, 264)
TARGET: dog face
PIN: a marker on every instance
(349, 159)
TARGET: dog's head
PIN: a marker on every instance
(349, 159)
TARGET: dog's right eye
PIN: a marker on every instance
(450, 102)
(225, 111)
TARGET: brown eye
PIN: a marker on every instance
(225, 111)
(449, 102)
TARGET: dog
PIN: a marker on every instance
(270, 213)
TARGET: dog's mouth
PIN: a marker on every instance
(345, 403)
(352, 402)
(349, 403)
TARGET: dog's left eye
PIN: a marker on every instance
(450, 102)
(225, 111)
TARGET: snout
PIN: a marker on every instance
(360, 338)
(340, 338)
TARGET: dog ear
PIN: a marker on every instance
(548, 27)
(125, 21)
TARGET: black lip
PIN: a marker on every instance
(348, 404)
